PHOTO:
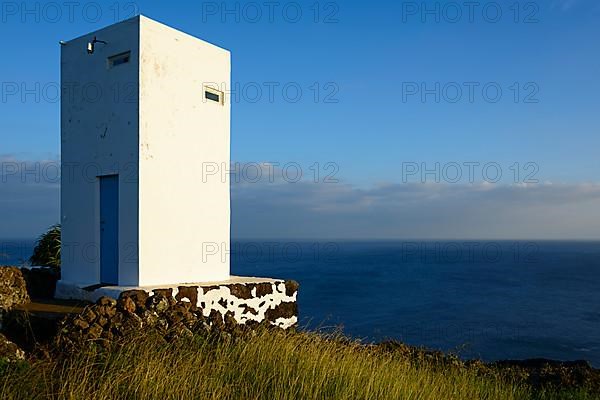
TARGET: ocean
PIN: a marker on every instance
(485, 299)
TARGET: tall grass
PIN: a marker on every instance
(265, 366)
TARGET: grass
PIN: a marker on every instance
(47, 250)
(265, 366)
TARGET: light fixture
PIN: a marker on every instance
(92, 45)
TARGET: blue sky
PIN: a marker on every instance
(366, 59)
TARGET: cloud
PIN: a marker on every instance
(29, 196)
(408, 211)
(276, 208)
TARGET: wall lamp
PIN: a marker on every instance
(92, 45)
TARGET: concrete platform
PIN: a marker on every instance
(50, 307)
(246, 298)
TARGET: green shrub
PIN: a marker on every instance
(8, 366)
(47, 250)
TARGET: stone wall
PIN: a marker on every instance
(13, 289)
(246, 300)
(13, 292)
(274, 302)
(10, 351)
(205, 310)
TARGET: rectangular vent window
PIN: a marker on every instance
(119, 59)
(213, 95)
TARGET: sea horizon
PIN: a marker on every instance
(505, 299)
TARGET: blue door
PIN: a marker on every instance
(109, 229)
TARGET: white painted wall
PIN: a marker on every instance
(153, 123)
(179, 131)
(99, 136)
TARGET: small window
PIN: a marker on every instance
(213, 95)
(119, 59)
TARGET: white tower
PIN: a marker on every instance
(141, 117)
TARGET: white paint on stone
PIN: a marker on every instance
(210, 297)
(286, 323)
(213, 297)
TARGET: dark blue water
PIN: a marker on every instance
(15, 251)
(494, 300)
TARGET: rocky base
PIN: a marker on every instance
(246, 301)
(137, 313)
(540, 372)
(10, 351)
(13, 288)
(537, 373)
